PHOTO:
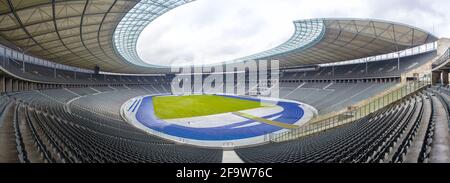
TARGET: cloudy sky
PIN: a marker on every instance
(211, 31)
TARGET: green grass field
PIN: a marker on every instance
(172, 107)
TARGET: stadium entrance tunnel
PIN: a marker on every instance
(228, 127)
(440, 77)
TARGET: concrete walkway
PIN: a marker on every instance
(416, 146)
(231, 157)
(8, 150)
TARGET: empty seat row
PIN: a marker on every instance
(46, 131)
(370, 139)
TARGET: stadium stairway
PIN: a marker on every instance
(230, 156)
(413, 146)
(8, 150)
(440, 152)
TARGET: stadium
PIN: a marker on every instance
(339, 90)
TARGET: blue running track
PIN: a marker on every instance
(291, 113)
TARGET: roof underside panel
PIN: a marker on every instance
(77, 33)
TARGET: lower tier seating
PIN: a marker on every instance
(402, 132)
(46, 129)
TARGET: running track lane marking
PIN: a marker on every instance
(132, 105)
(266, 121)
(137, 104)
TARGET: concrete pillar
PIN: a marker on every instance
(25, 86)
(8, 85)
(2, 84)
(21, 86)
(15, 85)
(445, 77)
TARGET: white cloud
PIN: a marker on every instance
(212, 31)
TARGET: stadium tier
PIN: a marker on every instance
(403, 132)
(338, 91)
(46, 132)
(377, 69)
(338, 95)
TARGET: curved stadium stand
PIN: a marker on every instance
(388, 135)
(79, 121)
(391, 132)
(46, 132)
(55, 109)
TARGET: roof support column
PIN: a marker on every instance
(398, 60)
(367, 65)
(15, 85)
(4, 58)
(2, 84)
(332, 73)
(8, 85)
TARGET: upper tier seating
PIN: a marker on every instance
(385, 68)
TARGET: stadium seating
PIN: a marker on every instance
(83, 124)
(385, 136)
(384, 68)
(47, 74)
(46, 132)
(334, 97)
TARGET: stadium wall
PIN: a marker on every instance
(440, 72)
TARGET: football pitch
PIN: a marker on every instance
(173, 107)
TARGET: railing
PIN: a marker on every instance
(445, 57)
(352, 114)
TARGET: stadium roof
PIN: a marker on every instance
(77, 32)
(86, 33)
(319, 41)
